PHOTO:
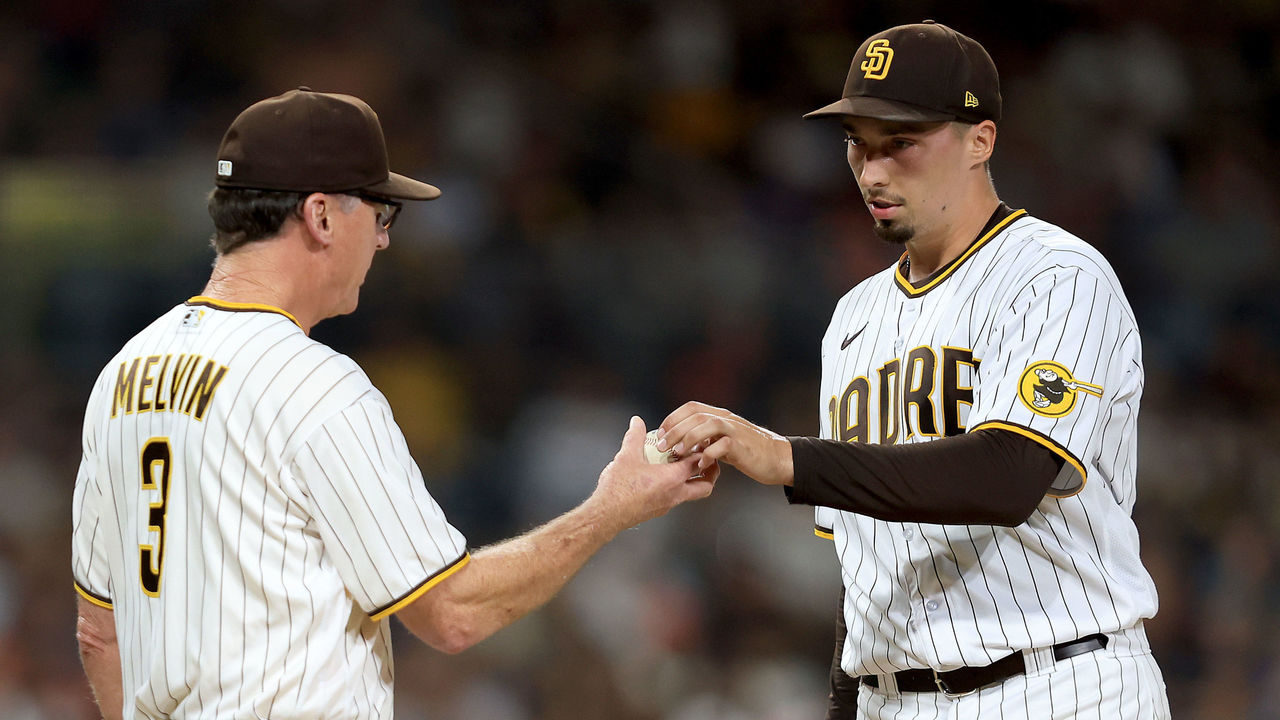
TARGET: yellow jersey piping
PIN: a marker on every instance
(912, 291)
(99, 601)
(421, 590)
(1046, 441)
(240, 307)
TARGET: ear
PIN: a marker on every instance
(982, 142)
(317, 216)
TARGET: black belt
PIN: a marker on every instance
(967, 679)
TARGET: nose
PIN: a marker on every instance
(873, 172)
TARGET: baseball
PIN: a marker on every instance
(651, 452)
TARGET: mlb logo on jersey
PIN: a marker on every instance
(191, 320)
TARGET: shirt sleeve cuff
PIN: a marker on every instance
(797, 492)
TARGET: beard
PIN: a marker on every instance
(895, 233)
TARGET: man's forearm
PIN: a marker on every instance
(100, 655)
(506, 581)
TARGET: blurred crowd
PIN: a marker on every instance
(635, 215)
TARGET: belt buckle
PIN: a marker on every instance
(945, 689)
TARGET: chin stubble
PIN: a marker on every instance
(895, 233)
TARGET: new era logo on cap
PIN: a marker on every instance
(224, 168)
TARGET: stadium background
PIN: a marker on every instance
(635, 215)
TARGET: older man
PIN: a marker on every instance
(247, 515)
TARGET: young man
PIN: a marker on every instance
(247, 514)
(978, 403)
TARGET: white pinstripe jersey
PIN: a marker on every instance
(1028, 331)
(248, 508)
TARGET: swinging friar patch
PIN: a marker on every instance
(1047, 388)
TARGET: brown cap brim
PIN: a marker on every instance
(880, 109)
(399, 187)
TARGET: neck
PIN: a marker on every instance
(930, 252)
(263, 273)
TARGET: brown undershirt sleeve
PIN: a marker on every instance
(986, 477)
(842, 700)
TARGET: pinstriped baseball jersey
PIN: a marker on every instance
(1028, 331)
(248, 508)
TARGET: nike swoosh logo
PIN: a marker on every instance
(849, 338)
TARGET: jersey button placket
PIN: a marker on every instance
(910, 311)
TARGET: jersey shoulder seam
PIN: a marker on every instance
(293, 446)
(1062, 246)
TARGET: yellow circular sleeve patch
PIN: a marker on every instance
(1047, 388)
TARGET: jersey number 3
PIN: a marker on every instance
(156, 461)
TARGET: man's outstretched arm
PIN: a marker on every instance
(504, 582)
(986, 477)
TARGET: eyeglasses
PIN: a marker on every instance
(385, 211)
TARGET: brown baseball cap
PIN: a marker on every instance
(920, 73)
(307, 141)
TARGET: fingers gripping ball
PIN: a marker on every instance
(651, 452)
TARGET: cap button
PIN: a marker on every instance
(927, 22)
(304, 88)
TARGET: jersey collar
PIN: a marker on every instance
(999, 220)
(240, 307)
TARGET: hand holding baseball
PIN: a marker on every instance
(716, 434)
(634, 489)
